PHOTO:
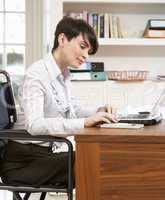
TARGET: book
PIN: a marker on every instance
(153, 32)
(120, 34)
(150, 33)
(158, 24)
(106, 25)
(101, 25)
(85, 15)
(114, 26)
(90, 19)
(110, 26)
(161, 77)
(95, 22)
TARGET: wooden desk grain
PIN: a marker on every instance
(121, 164)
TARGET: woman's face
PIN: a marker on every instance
(76, 51)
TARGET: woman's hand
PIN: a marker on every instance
(99, 118)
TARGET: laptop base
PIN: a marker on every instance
(148, 121)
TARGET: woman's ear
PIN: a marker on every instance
(61, 39)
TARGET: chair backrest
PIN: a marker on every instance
(7, 105)
(7, 108)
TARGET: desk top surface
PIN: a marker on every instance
(158, 129)
(155, 132)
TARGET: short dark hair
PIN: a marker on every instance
(72, 28)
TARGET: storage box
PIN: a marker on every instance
(127, 75)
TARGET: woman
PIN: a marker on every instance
(49, 107)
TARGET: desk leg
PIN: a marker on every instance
(87, 171)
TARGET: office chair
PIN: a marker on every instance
(16, 133)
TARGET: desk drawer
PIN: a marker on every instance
(130, 171)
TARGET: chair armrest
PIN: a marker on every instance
(22, 134)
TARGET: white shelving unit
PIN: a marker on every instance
(115, 7)
(132, 52)
(115, 1)
(131, 42)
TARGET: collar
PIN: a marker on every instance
(54, 70)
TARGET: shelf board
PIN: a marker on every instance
(116, 1)
(132, 41)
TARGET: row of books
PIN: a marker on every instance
(105, 25)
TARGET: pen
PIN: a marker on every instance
(109, 109)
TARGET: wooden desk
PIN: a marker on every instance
(120, 164)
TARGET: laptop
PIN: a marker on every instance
(145, 117)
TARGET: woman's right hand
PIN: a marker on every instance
(99, 118)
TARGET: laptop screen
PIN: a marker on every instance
(158, 102)
(145, 114)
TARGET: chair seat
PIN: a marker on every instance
(61, 189)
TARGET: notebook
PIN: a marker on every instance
(145, 117)
(122, 125)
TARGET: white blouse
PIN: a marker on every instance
(47, 102)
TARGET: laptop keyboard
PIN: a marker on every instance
(135, 116)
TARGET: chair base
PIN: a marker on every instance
(27, 191)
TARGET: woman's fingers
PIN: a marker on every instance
(111, 109)
(100, 117)
(111, 117)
